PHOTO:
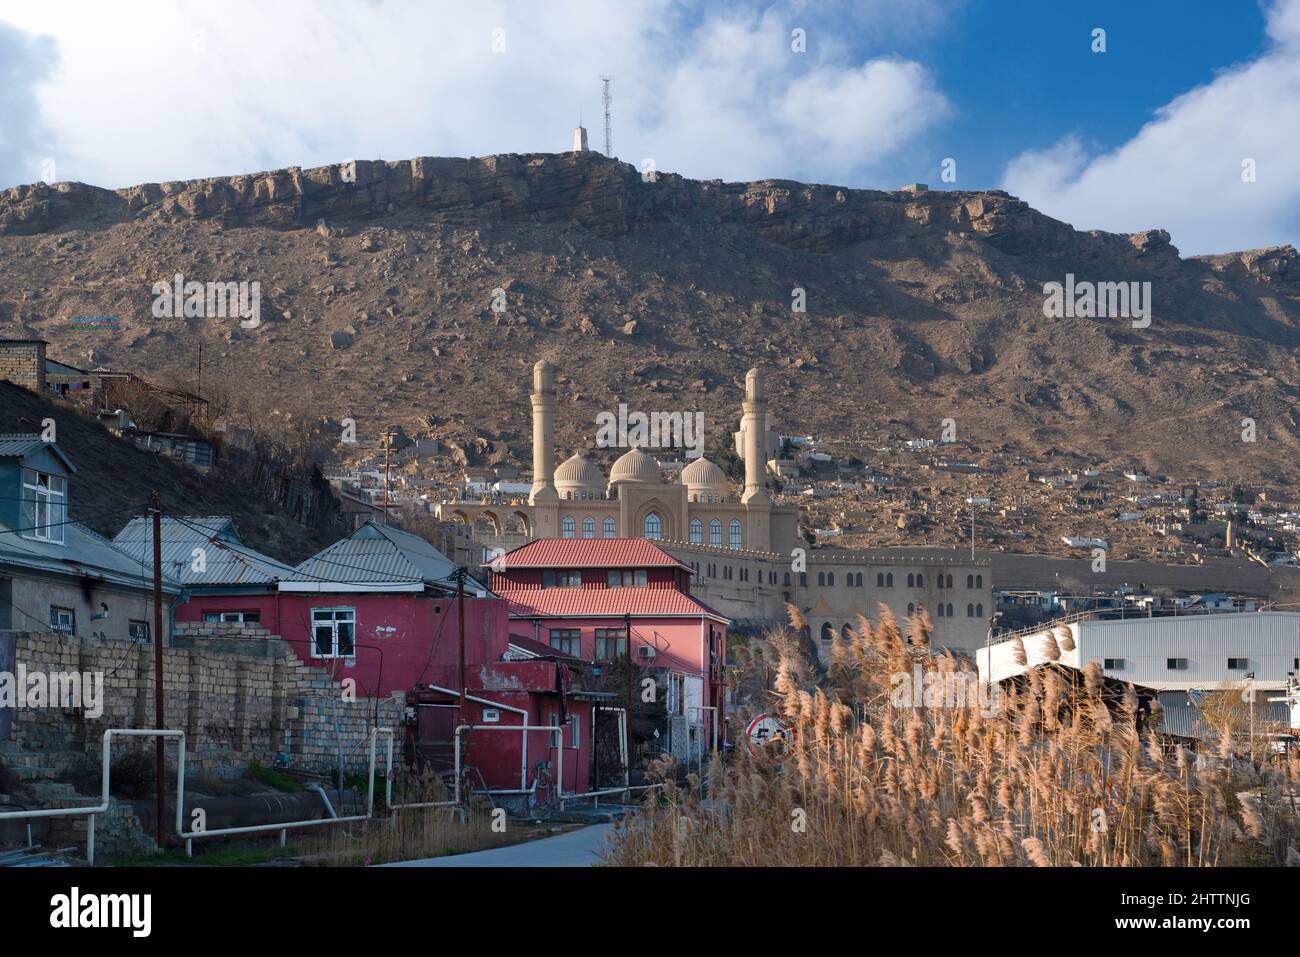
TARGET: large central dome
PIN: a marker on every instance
(635, 466)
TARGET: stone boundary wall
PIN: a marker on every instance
(229, 687)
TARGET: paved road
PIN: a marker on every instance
(575, 849)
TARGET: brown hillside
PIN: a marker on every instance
(377, 305)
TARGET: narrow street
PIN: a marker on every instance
(575, 849)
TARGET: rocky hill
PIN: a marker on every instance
(378, 282)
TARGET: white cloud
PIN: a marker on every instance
(1183, 170)
(25, 142)
(184, 89)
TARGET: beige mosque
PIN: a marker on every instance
(745, 548)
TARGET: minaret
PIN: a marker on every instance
(754, 426)
(580, 139)
(543, 399)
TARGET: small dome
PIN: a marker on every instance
(704, 475)
(577, 472)
(635, 466)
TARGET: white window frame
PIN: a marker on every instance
(230, 617)
(334, 621)
(146, 637)
(735, 535)
(56, 614)
(609, 528)
(47, 505)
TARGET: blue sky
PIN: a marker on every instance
(1154, 132)
(1021, 73)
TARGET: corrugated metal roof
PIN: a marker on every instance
(1180, 715)
(375, 553)
(588, 553)
(605, 603)
(227, 561)
(17, 445)
(83, 553)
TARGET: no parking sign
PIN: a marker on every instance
(769, 735)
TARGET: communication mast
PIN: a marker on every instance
(607, 100)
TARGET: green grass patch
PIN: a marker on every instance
(273, 778)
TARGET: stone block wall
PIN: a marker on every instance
(22, 362)
(229, 687)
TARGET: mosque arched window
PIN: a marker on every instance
(697, 532)
(567, 527)
(653, 527)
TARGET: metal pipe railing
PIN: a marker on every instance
(284, 826)
(91, 810)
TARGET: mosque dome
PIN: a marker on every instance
(703, 477)
(580, 477)
(635, 466)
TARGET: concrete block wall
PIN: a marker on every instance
(22, 362)
(230, 691)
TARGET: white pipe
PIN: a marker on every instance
(622, 743)
(283, 825)
(93, 809)
(552, 728)
(523, 757)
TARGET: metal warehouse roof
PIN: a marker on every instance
(588, 553)
(227, 561)
(376, 554)
(606, 603)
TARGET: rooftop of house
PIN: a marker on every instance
(376, 555)
(83, 554)
(19, 445)
(607, 603)
(224, 559)
(588, 553)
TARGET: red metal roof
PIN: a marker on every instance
(587, 553)
(605, 603)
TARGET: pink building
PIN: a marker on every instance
(579, 597)
(380, 607)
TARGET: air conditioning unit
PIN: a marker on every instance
(645, 651)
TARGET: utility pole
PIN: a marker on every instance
(155, 506)
(608, 101)
(388, 445)
(460, 624)
(627, 641)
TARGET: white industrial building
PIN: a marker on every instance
(1168, 654)
(1188, 653)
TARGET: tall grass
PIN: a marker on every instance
(1056, 774)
